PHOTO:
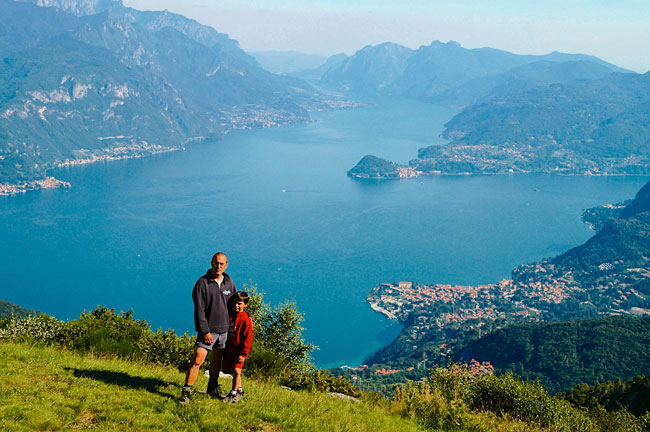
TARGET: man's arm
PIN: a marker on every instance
(198, 295)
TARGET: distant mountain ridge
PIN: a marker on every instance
(593, 127)
(518, 79)
(371, 69)
(425, 73)
(597, 126)
(123, 83)
(556, 113)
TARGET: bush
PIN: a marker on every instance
(106, 332)
(321, 381)
(279, 351)
(618, 421)
(277, 331)
(453, 383)
(431, 407)
(526, 401)
(41, 328)
(264, 362)
(165, 348)
(645, 422)
(460, 399)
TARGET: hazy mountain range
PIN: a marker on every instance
(430, 71)
(556, 113)
(87, 80)
(604, 118)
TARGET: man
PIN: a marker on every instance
(211, 295)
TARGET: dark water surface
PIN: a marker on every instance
(137, 234)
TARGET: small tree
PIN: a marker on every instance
(278, 331)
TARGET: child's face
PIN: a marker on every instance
(239, 306)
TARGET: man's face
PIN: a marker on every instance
(239, 306)
(219, 265)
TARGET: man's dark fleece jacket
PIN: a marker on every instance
(211, 304)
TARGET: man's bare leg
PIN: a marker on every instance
(215, 364)
(215, 368)
(193, 371)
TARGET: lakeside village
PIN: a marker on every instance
(249, 116)
(434, 314)
(85, 156)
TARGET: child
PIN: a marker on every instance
(238, 345)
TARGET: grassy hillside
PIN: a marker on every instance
(80, 375)
(52, 389)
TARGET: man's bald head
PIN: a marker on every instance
(219, 265)
(215, 257)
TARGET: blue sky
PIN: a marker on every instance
(616, 31)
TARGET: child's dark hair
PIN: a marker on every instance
(240, 296)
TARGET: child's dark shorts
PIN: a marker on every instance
(230, 363)
(218, 341)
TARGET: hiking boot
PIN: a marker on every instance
(234, 396)
(214, 390)
(186, 395)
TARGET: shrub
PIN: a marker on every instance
(530, 402)
(453, 383)
(645, 422)
(264, 362)
(460, 399)
(430, 406)
(321, 381)
(106, 332)
(41, 328)
(165, 348)
(278, 330)
(618, 421)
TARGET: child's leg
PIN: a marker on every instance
(236, 379)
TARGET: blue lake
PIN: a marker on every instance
(138, 233)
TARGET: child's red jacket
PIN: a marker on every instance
(240, 335)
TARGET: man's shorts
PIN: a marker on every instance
(230, 363)
(218, 341)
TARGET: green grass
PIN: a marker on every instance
(51, 389)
